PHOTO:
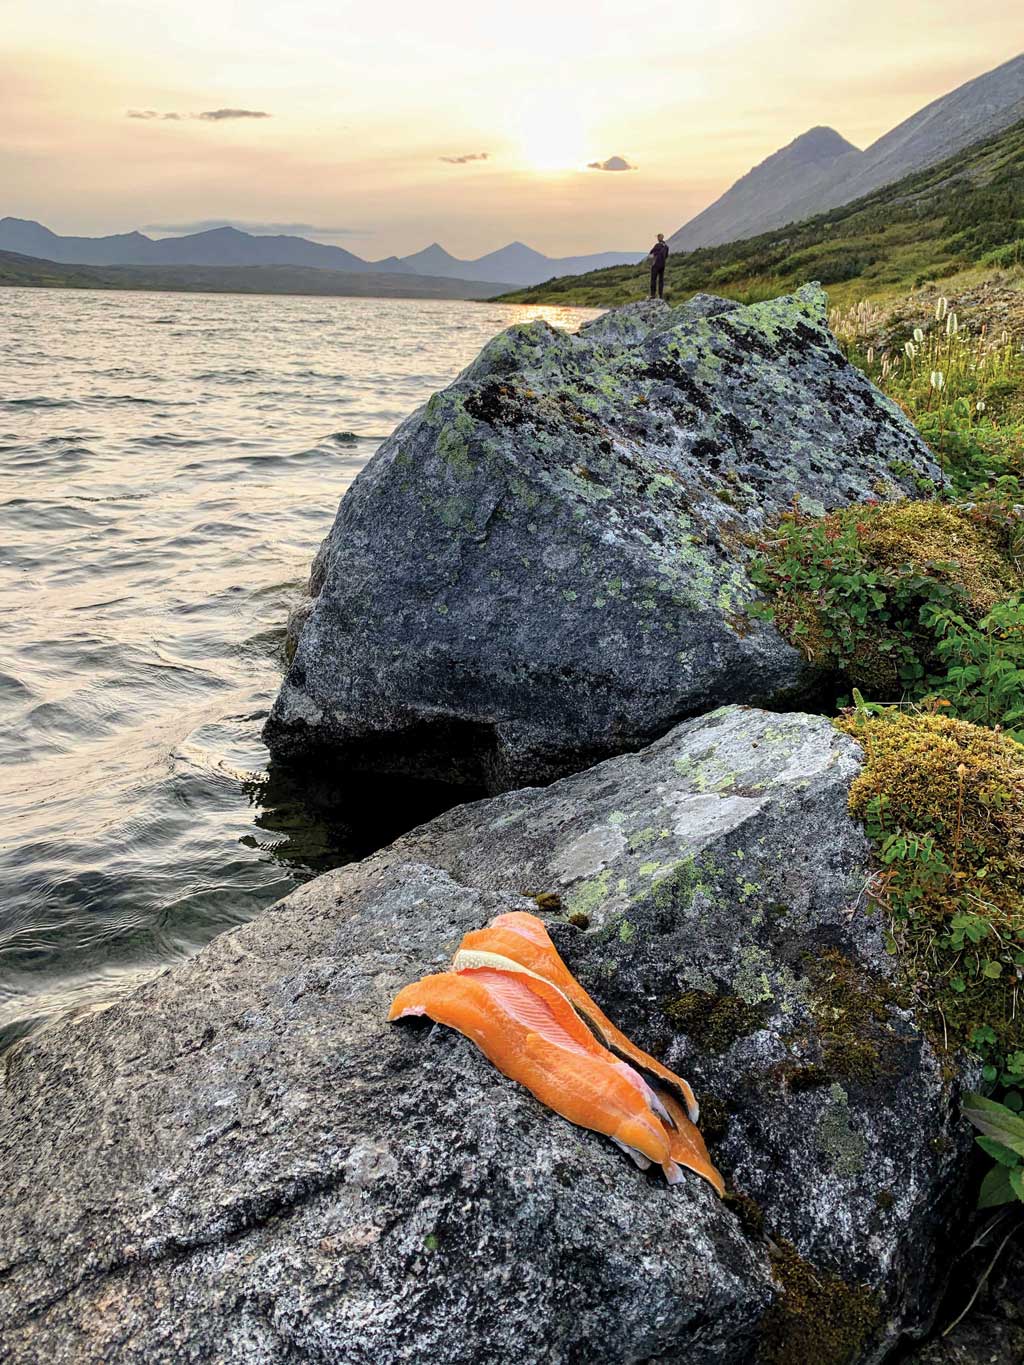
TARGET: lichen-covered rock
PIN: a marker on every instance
(545, 565)
(244, 1162)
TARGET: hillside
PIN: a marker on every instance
(968, 211)
(821, 170)
(30, 272)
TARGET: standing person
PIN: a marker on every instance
(658, 257)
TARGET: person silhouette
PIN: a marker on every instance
(658, 256)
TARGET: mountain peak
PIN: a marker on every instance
(820, 170)
(819, 144)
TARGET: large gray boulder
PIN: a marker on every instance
(546, 564)
(243, 1162)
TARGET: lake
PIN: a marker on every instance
(168, 465)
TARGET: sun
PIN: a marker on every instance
(549, 134)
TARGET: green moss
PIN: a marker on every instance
(852, 1013)
(714, 1118)
(944, 802)
(849, 588)
(714, 1022)
(818, 1319)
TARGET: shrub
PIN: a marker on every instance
(873, 593)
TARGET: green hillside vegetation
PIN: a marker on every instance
(965, 213)
(28, 272)
(919, 607)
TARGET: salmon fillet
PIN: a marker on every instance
(531, 1033)
(522, 938)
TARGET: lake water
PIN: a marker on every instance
(168, 465)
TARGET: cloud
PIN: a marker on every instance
(462, 160)
(206, 224)
(614, 163)
(208, 115)
(217, 115)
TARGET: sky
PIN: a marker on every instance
(573, 125)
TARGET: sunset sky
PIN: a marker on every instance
(387, 126)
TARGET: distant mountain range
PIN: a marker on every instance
(821, 170)
(20, 271)
(514, 264)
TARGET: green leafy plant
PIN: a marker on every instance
(1002, 1138)
(984, 662)
(904, 598)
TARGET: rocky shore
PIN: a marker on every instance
(538, 585)
(245, 1162)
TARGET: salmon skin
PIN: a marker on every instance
(510, 992)
(523, 939)
(533, 1036)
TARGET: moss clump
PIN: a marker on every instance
(818, 1318)
(548, 900)
(714, 1022)
(852, 1012)
(859, 590)
(944, 802)
(748, 1211)
(798, 1076)
(714, 1118)
(951, 543)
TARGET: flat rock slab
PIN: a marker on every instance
(546, 564)
(242, 1161)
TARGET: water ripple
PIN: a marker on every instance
(168, 465)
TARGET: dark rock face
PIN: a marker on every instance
(244, 1162)
(545, 565)
(992, 1333)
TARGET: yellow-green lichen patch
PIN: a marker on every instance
(587, 898)
(944, 802)
(818, 1318)
(836, 1137)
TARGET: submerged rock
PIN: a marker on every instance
(545, 565)
(244, 1162)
